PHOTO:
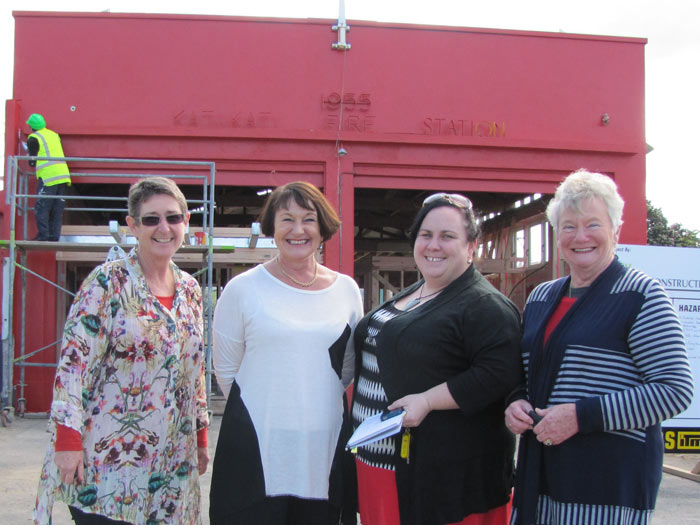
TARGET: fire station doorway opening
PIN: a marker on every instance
(514, 250)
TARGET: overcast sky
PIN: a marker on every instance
(672, 55)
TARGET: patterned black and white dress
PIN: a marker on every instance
(283, 357)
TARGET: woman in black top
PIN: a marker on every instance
(446, 350)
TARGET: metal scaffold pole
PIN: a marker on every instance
(14, 311)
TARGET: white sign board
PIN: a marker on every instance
(678, 270)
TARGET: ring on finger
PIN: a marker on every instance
(548, 442)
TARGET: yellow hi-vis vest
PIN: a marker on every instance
(51, 172)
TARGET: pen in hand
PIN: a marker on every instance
(535, 416)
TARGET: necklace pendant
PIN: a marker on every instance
(413, 302)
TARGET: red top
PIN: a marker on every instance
(561, 310)
(166, 301)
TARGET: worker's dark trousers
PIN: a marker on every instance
(49, 212)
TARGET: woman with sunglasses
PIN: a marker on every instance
(129, 406)
(445, 351)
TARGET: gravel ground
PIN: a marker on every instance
(25, 440)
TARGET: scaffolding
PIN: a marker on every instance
(115, 244)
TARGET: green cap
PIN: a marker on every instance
(36, 121)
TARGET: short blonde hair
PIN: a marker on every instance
(580, 186)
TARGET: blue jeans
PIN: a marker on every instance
(49, 212)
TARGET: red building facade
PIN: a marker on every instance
(485, 112)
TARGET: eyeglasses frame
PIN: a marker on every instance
(172, 219)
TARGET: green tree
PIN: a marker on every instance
(659, 233)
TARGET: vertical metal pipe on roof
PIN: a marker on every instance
(342, 28)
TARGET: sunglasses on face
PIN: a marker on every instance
(154, 220)
(453, 198)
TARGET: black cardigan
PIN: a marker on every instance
(461, 461)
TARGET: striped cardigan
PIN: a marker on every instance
(619, 354)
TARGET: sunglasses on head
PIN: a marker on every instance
(453, 198)
(154, 220)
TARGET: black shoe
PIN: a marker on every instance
(43, 239)
(54, 239)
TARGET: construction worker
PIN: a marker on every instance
(53, 176)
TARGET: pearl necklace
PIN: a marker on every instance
(296, 281)
(417, 300)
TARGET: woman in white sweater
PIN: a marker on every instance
(283, 357)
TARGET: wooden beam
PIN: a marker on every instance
(254, 234)
(681, 473)
(382, 245)
(394, 263)
(378, 277)
(116, 234)
(183, 258)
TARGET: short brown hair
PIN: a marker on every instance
(308, 197)
(144, 189)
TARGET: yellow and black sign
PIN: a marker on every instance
(682, 440)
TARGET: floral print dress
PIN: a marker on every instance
(131, 380)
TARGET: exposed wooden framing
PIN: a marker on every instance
(383, 280)
(117, 235)
(388, 263)
(189, 254)
(245, 256)
(254, 235)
